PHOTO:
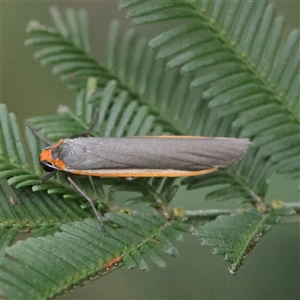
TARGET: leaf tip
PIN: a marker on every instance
(232, 270)
(32, 25)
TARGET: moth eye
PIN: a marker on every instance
(47, 166)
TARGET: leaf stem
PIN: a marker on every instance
(294, 205)
(213, 213)
(209, 213)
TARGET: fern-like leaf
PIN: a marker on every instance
(66, 47)
(237, 56)
(36, 210)
(81, 251)
(235, 236)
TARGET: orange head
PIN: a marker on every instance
(50, 163)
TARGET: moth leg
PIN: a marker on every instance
(86, 197)
(46, 177)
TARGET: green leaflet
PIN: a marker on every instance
(235, 236)
(81, 251)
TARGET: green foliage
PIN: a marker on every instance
(234, 236)
(81, 250)
(235, 54)
(234, 71)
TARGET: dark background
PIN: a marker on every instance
(271, 271)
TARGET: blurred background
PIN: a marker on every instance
(273, 268)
